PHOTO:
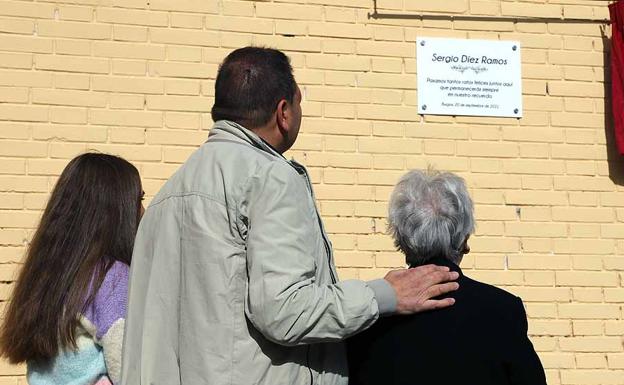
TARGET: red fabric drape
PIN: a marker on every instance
(616, 11)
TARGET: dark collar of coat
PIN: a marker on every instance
(439, 261)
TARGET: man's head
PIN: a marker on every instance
(256, 88)
(431, 215)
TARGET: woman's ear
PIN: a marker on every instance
(466, 249)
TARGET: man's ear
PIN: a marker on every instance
(282, 115)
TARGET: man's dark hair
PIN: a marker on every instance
(250, 83)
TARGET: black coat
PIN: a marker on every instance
(480, 340)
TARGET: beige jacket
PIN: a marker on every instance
(232, 279)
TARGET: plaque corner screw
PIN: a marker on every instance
(516, 111)
(424, 107)
(422, 43)
(515, 47)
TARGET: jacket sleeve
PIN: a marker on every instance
(283, 300)
(524, 367)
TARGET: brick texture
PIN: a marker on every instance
(136, 78)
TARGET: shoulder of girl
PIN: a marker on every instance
(110, 303)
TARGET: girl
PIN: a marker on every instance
(66, 316)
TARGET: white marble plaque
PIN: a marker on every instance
(469, 77)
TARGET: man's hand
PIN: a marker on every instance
(415, 287)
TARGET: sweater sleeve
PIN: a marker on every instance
(107, 314)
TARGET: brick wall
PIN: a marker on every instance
(136, 78)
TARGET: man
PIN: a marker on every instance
(232, 278)
(481, 340)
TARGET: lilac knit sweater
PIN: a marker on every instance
(99, 339)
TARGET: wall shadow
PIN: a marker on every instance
(524, 19)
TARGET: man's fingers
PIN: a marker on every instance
(443, 288)
(437, 277)
(438, 304)
(415, 287)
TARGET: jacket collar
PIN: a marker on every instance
(439, 261)
(242, 133)
(229, 128)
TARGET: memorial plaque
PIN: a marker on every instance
(469, 77)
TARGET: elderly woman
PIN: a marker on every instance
(480, 340)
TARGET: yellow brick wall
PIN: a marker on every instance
(136, 77)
